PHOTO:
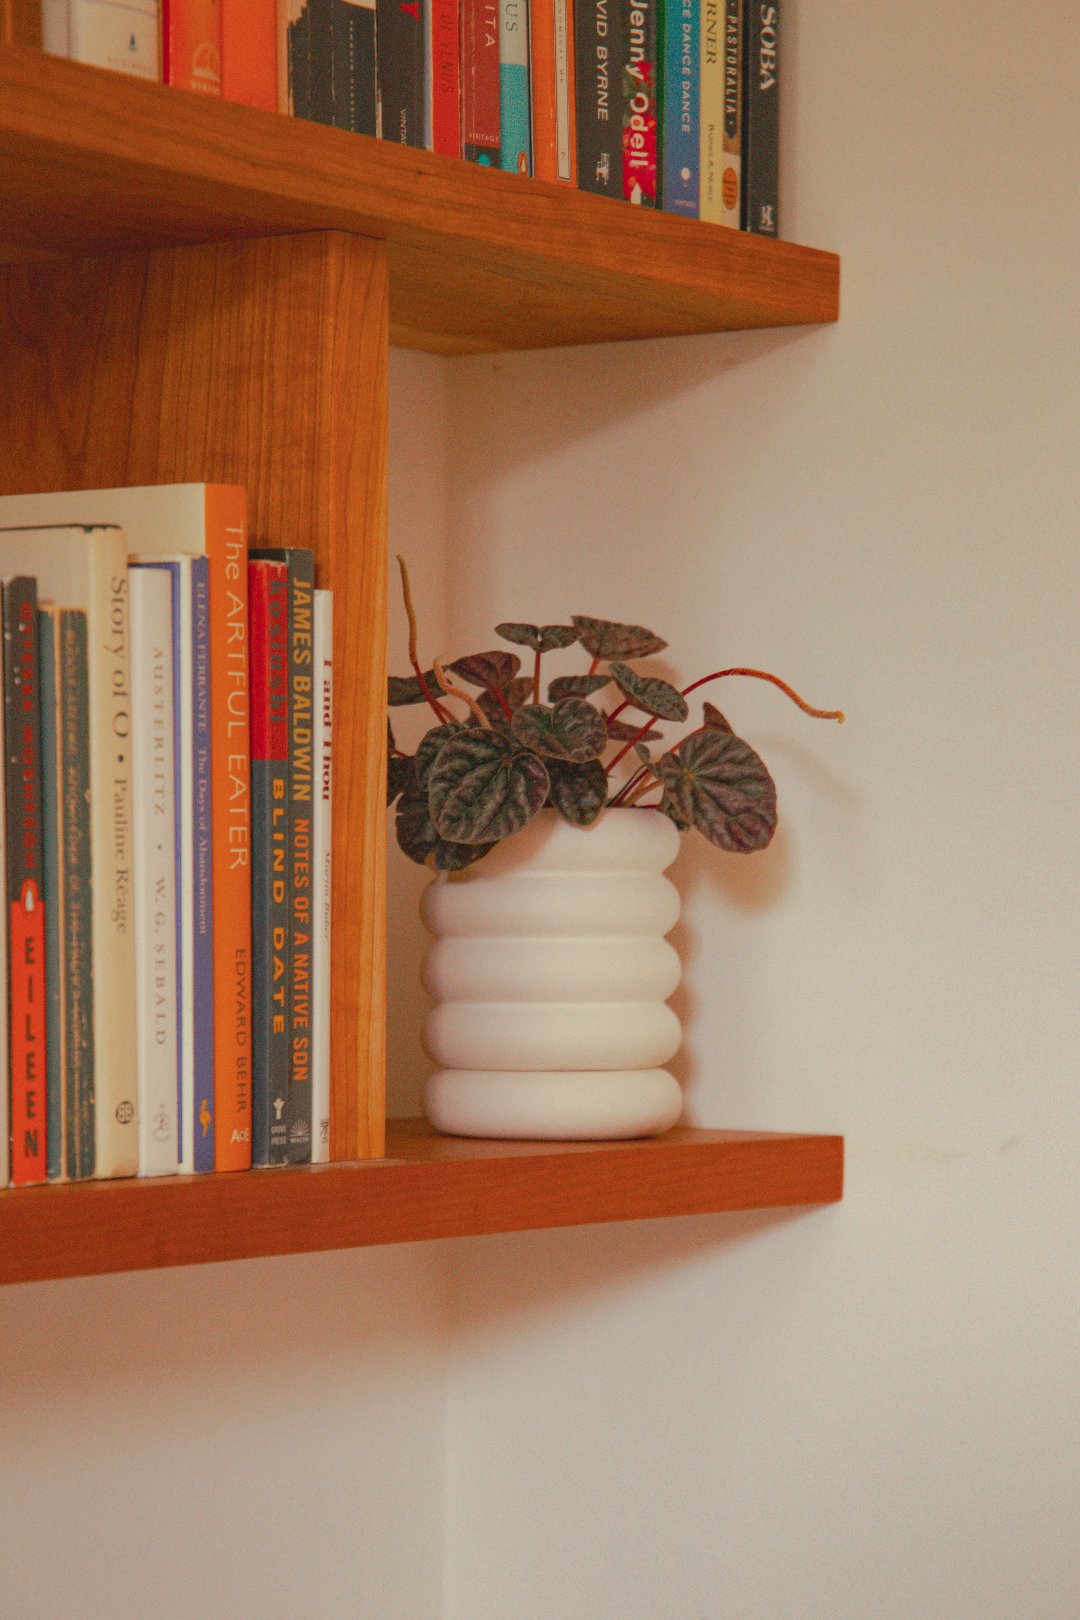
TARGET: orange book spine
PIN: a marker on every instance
(230, 766)
(191, 45)
(542, 87)
(249, 68)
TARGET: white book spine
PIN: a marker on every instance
(120, 34)
(154, 830)
(185, 712)
(5, 1116)
(56, 27)
(564, 112)
(322, 777)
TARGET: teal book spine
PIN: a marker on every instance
(515, 139)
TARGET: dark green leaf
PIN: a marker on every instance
(417, 836)
(492, 669)
(484, 787)
(646, 692)
(578, 792)
(430, 746)
(573, 730)
(514, 694)
(576, 686)
(604, 638)
(541, 638)
(398, 776)
(714, 719)
(718, 783)
(642, 753)
(619, 731)
(404, 689)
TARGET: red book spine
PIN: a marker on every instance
(480, 100)
(26, 911)
(446, 77)
(191, 45)
(249, 66)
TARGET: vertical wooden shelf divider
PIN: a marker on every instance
(260, 363)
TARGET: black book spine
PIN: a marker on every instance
(355, 105)
(301, 566)
(761, 119)
(78, 894)
(321, 12)
(299, 52)
(26, 910)
(399, 33)
(598, 49)
(48, 629)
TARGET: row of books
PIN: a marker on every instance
(670, 104)
(164, 838)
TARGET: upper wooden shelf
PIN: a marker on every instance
(92, 162)
(428, 1187)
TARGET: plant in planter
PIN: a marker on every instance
(551, 1018)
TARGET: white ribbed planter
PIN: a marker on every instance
(550, 971)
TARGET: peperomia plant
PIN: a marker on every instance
(509, 750)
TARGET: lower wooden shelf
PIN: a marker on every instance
(428, 1187)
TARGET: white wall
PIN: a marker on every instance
(257, 1439)
(872, 1410)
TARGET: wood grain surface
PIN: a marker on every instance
(93, 161)
(430, 1187)
(261, 363)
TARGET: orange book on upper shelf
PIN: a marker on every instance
(191, 45)
(249, 69)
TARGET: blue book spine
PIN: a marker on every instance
(681, 103)
(203, 973)
(50, 850)
(515, 123)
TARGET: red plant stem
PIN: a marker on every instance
(628, 786)
(635, 738)
(440, 713)
(592, 666)
(763, 675)
(501, 701)
(536, 678)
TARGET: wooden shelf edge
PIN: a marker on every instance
(431, 1187)
(96, 162)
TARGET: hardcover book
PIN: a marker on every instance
(86, 567)
(321, 871)
(681, 143)
(268, 595)
(480, 89)
(761, 119)
(301, 570)
(599, 45)
(153, 780)
(210, 520)
(27, 1056)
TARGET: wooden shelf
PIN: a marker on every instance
(93, 162)
(429, 1187)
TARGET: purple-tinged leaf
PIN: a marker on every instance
(714, 719)
(620, 731)
(578, 792)
(431, 745)
(604, 638)
(405, 689)
(485, 786)
(417, 836)
(716, 782)
(541, 638)
(649, 694)
(517, 692)
(573, 730)
(576, 686)
(494, 670)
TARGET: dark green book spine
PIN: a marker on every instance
(301, 566)
(77, 944)
(53, 892)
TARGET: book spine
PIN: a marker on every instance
(399, 31)
(191, 36)
(446, 77)
(152, 753)
(268, 589)
(5, 1078)
(761, 119)
(26, 912)
(56, 30)
(321, 871)
(731, 178)
(711, 103)
(52, 889)
(542, 88)
(249, 53)
(321, 108)
(565, 100)
(681, 112)
(78, 941)
(640, 112)
(515, 137)
(296, 71)
(301, 805)
(355, 104)
(227, 549)
(202, 980)
(119, 34)
(598, 49)
(480, 110)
